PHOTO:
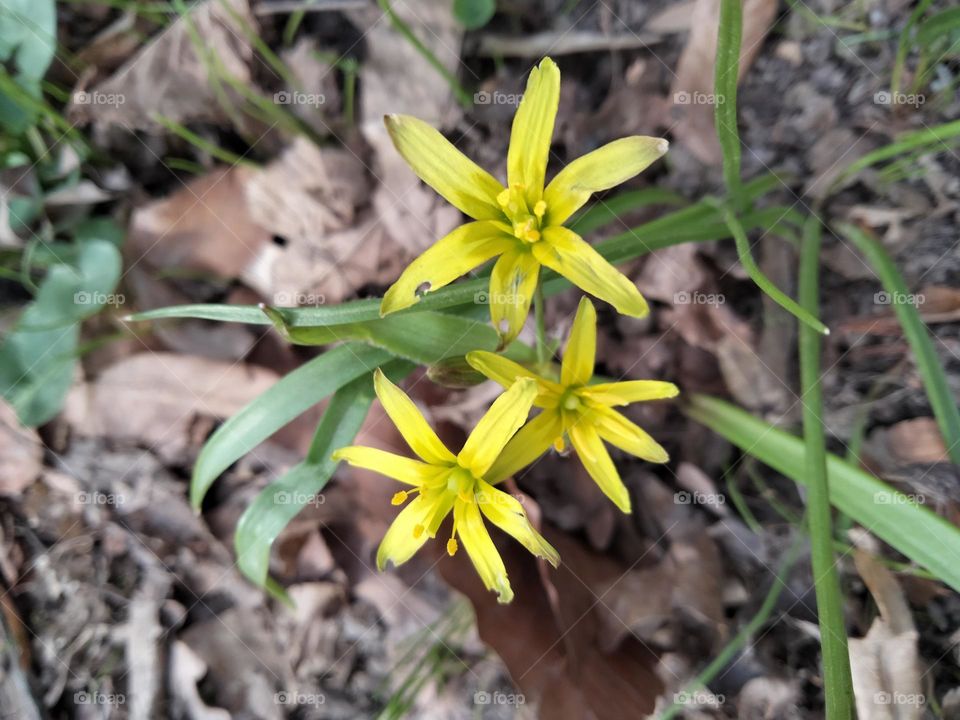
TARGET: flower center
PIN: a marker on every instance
(526, 225)
(570, 401)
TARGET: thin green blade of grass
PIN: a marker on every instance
(729, 36)
(833, 639)
(911, 529)
(762, 281)
(606, 211)
(942, 402)
(202, 144)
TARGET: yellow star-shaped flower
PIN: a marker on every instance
(521, 224)
(581, 412)
(444, 482)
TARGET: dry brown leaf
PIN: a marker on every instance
(940, 304)
(397, 79)
(154, 399)
(695, 71)
(885, 663)
(561, 665)
(21, 453)
(205, 226)
(169, 78)
(916, 441)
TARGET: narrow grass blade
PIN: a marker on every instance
(726, 75)
(289, 397)
(934, 378)
(833, 638)
(921, 535)
(279, 502)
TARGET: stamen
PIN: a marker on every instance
(559, 444)
(452, 547)
(540, 209)
(532, 235)
(399, 498)
(503, 198)
(418, 530)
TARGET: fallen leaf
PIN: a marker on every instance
(21, 453)
(917, 441)
(885, 664)
(153, 399)
(170, 78)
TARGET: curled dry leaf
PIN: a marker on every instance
(171, 75)
(886, 663)
(21, 453)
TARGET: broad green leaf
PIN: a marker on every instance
(426, 338)
(288, 398)
(912, 529)
(474, 14)
(38, 356)
(279, 502)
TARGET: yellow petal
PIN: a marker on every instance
(581, 350)
(461, 182)
(631, 391)
(566, 252)
(401, 541)
(498, 368)
(410, 422)
(602, 169)
(512, 285)
(504, 511)
(483, 553)
(404, 469)
(502, 420)
(443, 262)
(532, 130)
(530, 442)
(629, 437)
(598, 464)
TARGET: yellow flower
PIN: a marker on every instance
(572, 408)
(522, 224)
(444, 482)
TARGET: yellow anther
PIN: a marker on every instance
(418, 530)
(503, 198)
(452, 547)
(559, 444)
(399, 498)
(540, 209)
(532, 235)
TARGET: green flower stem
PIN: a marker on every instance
(833, 639)
(539, 308)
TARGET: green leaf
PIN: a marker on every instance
(474, 14)
(279, 502)
(605, 212)
(426, 338)
(921, 535)
(28, 36)
(934, 378)
(288, 398)
(38, 356)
